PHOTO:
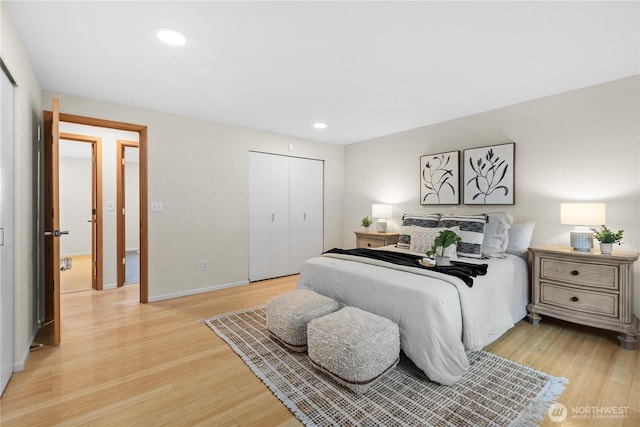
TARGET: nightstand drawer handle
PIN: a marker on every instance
(575, 272)
(575, 299)
(369, 245)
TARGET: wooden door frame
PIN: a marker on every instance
(121, 144)
(96, 200)
(142, 147)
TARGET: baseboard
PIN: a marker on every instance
(109, 286)
(17, 367)
(198, 291)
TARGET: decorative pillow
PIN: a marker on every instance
(422, 239)
(496, 234)
(471, 232)
(418, 220)
(520, 238)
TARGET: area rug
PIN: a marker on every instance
(494, 392)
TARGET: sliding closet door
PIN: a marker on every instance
(6, 230)
(306, 200)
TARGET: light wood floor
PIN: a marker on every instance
(124, 363)
(78, 278)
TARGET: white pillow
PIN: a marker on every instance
(422, 239)
(520, 238)
(496, 234)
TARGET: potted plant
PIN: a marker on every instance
(366, 222)
(444, 239)
(607, 238)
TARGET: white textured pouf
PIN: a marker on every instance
(288, 315)
(354, 347)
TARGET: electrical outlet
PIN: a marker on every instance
(204, 265)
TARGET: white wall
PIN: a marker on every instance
(199, 170)
(109, 218)
(576, 146)
(132, 199)
(75, 203)
(27, 115)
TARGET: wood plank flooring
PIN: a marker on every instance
(78, 278)
(129, 364)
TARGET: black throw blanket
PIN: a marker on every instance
(463, 270)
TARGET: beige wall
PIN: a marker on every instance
(577, 146)
(199, 170)
(27, 116)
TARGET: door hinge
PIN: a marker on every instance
(124, 261)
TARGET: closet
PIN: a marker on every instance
(285, 214)
(6, 230)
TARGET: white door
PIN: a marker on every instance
(259, 217)
(285, 214)
(279, 201)
(306, 200)
(6, 230)
(268, 216)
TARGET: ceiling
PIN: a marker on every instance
(367, 69)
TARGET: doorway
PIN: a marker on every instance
(80, 185)
(50, 329)
(128, 212)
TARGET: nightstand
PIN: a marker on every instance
(371, 239)
(586, 288)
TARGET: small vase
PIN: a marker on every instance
(606, 248)
(442, 261)
(366, 229)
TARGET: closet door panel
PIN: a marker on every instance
(259, 217)
(6, 231)
(279, 181)
(306, 188)
(315, 209)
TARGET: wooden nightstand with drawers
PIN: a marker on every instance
(586, 288)
(371, 239)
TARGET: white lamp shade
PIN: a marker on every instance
(381, 211)
(582, 213)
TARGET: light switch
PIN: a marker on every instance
(111, 205)
(156, 206)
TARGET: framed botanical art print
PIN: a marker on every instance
(440, 179)
(489, 175)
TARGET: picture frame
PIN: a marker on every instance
(489, 175)
(440, 178)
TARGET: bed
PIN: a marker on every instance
(440, 317)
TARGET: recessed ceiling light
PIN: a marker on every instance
(171, 36)
(320, 125)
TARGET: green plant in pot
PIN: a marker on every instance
(366, 223)
(444, 239)
(607, 239)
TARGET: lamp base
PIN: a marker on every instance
(381, 226)
(582, 240)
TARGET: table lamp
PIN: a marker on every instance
(582, 215)
(382, 212)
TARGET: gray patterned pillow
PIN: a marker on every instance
(419, 220)
(471, 232)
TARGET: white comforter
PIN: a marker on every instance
(439, 315)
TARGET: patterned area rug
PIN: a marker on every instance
(494, 392)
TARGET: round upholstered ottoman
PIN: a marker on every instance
(288, 315)
(354, 347)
